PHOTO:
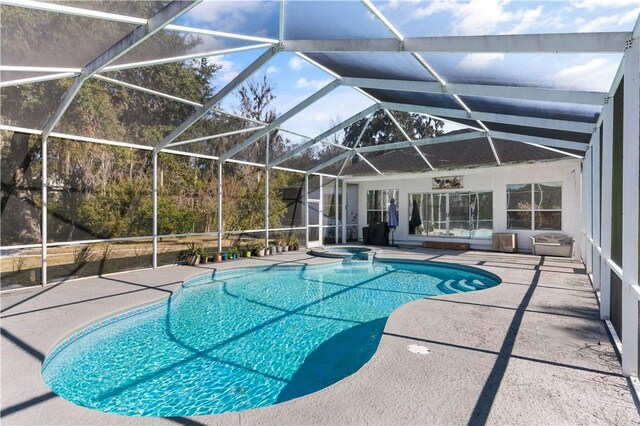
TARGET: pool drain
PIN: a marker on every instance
(418, 349)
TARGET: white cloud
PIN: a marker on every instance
(596, 74)
(602, 23)
(479, 61)
(304, 83)
(226, 16)
(297, 63)
(482, 16)
(228, 71)
(272, 70)
(593, 4)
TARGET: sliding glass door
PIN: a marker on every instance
(451, 214)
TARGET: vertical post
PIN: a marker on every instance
(266, 194)
(43, 225)
(337, 205)
(306, 210)
(220, 164)
(586, 211)
(321, 212)
(605, 232)
(344, 211)
(631, 177)
(595, 207)
(155, 210)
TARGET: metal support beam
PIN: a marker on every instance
(516, 120)
(556, 143)
(237, 81)
(605, 232)
(306, 210)
(349, 121)
(220, 165)
(612, 42)
(420, 142)
(155, 211)
(329, 162)
(154, 24)
(630, 216)
(344, 211)
(45, 206)
(266, 194)
(282, 118)
(30, 80)
(595, 206)
(482, 90)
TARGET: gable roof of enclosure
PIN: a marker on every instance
(509, 116)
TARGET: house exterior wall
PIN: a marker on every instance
(493, 179)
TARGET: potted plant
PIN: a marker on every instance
(293, 242)
(204, 255)
(218, 257)
(259, 249)
(225, 255)
(192, 254)
(233, 253)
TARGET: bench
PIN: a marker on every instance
(445, 245)
(552, 244)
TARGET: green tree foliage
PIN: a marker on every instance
(382, 130)
(103, 191)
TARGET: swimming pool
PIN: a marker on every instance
(244, 339)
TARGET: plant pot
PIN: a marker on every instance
(260, 252)
(285, 248)
(194, 260)
(273, 250)
(247, 253)
(218, 258)
(278, 249)
(225, 255)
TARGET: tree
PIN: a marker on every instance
(382, 130)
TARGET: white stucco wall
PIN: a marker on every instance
(493, 179)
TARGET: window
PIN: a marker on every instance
(378, 204)
(536, 206)
(452, 214)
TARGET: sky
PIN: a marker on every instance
(294, 79)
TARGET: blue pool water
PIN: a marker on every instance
(243, 339)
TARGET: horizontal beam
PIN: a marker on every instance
(221, 94)
(421, 142)
(554, 143)
(349, 121)
(28, 80)
(281, 119)
(515, 120)
(510, 92)
(181, 58)
(526, 43)
(330, 162)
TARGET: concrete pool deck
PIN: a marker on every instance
(530, 351)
